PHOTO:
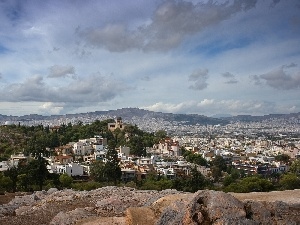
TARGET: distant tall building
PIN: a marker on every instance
(117, 124)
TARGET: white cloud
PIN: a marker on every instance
(211, 106)
(206, 103)
(280, 78)
(51, 108)
(171, 23)
(86, 91)
(230, 78)
(61, 71)
(199, 77)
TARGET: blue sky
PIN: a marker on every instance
(193, 56)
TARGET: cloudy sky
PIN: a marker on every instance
(194, 56)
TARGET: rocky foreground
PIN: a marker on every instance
(124, 206)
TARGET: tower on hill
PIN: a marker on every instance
(117, 124)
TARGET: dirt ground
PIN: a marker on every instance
(7, 197)
(288, 196)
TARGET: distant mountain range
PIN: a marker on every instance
(130, 114)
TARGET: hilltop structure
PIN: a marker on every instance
(118, 124)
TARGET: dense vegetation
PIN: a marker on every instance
(39, 141)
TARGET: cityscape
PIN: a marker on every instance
(149, 112)
(252, 147)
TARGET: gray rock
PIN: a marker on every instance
(273, 212)
(68, 218)
(52, 190)
(22, 210)
(7, 210)
(206, 207)
(24, 200)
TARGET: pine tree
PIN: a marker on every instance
(112, 170)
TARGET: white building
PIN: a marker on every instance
(3, 166)
(72, 169)
(81, 148)
(14, 159)
(97, 147)
(123, 150)
(168, 147)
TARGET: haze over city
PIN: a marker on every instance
(203, 57)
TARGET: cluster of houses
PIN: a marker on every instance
(165, 158)
(252, 156)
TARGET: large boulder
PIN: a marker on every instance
(219, 208)
(277, 212)
(205, 207)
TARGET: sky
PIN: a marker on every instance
(194, 57)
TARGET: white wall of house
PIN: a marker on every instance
(144, 161)
(72, 169)
(14, 159)
(81, 148)
(125, 150)
(97, 147)
(77, 148)
(3, 166)
(87, 150)
(85, 141)
(176, 150)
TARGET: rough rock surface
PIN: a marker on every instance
(213, 207)
(123, 205)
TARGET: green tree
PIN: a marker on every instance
(119, 137)
(37, 171)
(137, 146)
(283, 158)
(159, 135)
(132, 131)
(232, 177)
(193, 182)
(5, 183)
(97, 171)
(195, 158)
(155, 181)
(228, 180)
(53, 179)
(12, 173)
(235, 173)
(37, 145)
(23, 182)
(148, 139)
(87, 186)
(219, 162)
(65, 180)
(250, 184)
(218, 165)
(197, 180)
(112, 171)
(289, 181)
(53, 140)
(295, 167)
